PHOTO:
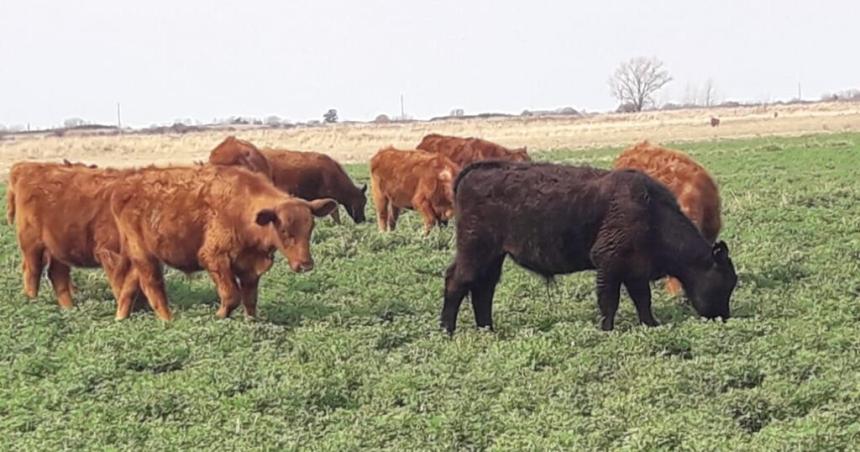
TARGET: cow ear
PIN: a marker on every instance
(267, 216)
(720, 251)
(364, 188)
(322, 207)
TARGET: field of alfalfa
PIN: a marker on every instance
(350, 356)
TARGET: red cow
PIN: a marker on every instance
(412, 180)
(464, 151)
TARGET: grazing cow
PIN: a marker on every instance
(311, 175)
(558, 219)
(464, 151)
(415, 180)
(691, 184)
(235, 152)
(62, 217)
(224, 219)
(715, 121)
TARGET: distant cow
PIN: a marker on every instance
(696, 191)
(311, 175)
(235, 152)
(715, 121)
(415, 180)
(464, 151)
(557, 219)
(62, 217)
(224, 219)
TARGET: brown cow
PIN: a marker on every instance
(412, 180)
(311, 175)
(696, 191)
(559, 219)
(464, 151)
(62, 216)
(235, 152)
(224, 219)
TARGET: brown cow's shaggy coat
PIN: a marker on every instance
(311, 175)
(412, 180)
(226, 220)
(557, 219)
(691, 184)
(62, 217)
(464, 151)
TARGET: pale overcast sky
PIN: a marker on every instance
(165, 60)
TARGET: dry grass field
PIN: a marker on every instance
(357, 142)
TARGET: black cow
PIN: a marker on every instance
(558, 219)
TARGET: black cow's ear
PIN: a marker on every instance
(720, 251)
(364, 188)
(267, 216)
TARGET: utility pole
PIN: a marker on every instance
(118, 119)
(799, 93)
(402, 110)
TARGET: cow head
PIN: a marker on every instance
(520, 155)
(356, 204)
(292, 223)
(713, 287)
(443, 198)
(235, 152)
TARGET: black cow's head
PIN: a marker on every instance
(713, 288)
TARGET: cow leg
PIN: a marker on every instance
(380, 201)
(456, 288)
(640, 292)
(483, 290)
(116, 267)
(151, 280)
(393, 215)
(608, 292)
(34, 263)
(248, 285)
(423, 206)
(673, 286)
(127, 294)
(228, 291)
(59, 274)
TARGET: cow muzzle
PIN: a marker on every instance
(302, 267)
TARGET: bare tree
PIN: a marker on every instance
(709, 93)
(690, 95)
(636, 81)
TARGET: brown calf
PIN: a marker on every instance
(224, 219)
(311, 175)
(696, 191)
(464, 151)
(412, 180)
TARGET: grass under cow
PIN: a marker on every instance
(351, 355)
